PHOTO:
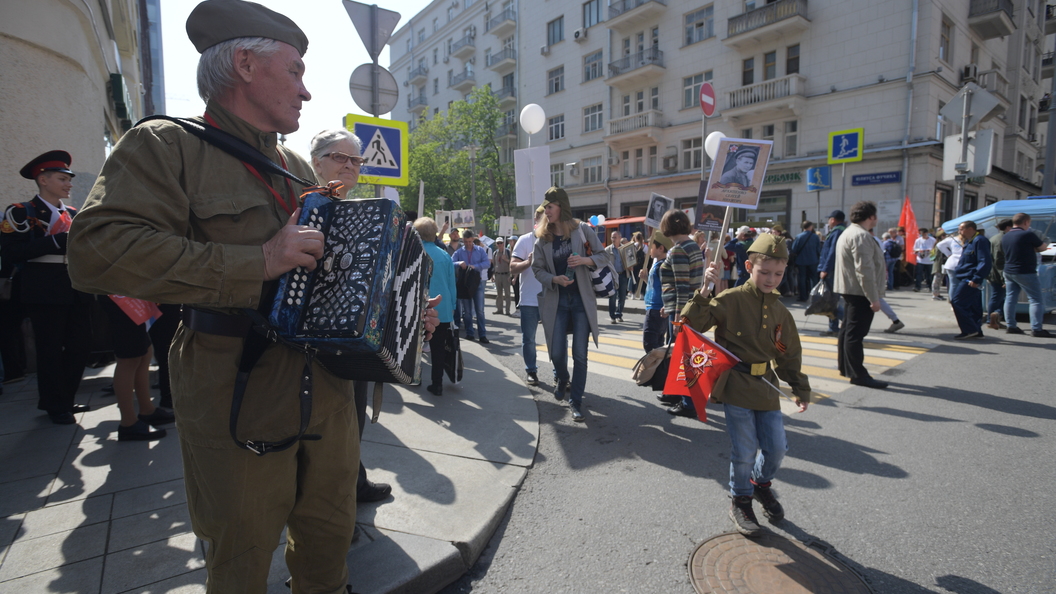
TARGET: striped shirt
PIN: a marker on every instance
(681, 274)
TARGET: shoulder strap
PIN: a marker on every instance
(231, 145)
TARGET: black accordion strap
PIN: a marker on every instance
(231, 145)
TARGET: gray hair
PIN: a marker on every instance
(328, 138)
(886, 235)
(216, 67)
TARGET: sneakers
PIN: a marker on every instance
(139, 431)
(743, 516)
(577, 416)
(895, 327)
(771, 506)
(1014, 330)
(159, 417)
(938, 298)
(532, 378)
(559, 391)
(967, 335)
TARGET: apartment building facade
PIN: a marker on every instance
(619, 82)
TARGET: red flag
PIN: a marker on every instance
(909, 221)
(137, 310)
(60, 225)
(696, 363)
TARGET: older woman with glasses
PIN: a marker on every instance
(336, 157)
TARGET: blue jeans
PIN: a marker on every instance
(997, 299)
(654, 330)
(529, 324)
(967, 303)
(758, 445)
(571, 314)
(616, 301)
(834, 323)
(1032, 287)
(808, 277)
(476, 304)
(923, 276)
(890, 263)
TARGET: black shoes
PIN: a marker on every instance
(681, 411)
(435, 389)
(967, 335)
(869, 382)
(159, 417)
(65, 418)
(139, 431)
(80, 408)
(577, 416)
(1041, 334)
(668, 399)
(828, 333)
(532, 378)
(559, 391)
(484, 340)
(771, 506)
(371, 492)
(1014, 330)
(743, 516)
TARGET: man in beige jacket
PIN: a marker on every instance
(861, 280)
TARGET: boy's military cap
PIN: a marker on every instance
(770, 245)
(49, 161)
(216, 21)
(662, 239)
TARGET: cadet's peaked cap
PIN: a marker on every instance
(49, 161)
(770, 245)
(662, 239)
(558, 196)
(750, 151)
(216, 21)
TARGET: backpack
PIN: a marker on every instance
(895, 251)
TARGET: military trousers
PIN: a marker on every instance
(63, 338)
(239, 503)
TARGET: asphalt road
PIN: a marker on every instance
(943, 483)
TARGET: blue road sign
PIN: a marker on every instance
(846, 146)
(819, 178)
(384, 149)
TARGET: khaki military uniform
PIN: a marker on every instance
(749, 324)
(172, 219)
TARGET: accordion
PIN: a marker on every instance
(360, 310)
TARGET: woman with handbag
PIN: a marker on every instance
(562, 260)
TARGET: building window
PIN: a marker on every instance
(746, 133)
(700, 24)
(557, 175)
(436, 25)
(654, 98)
(421, 35)
(940, 123)
(769, 65)
(592, 66)
(591, 13)
(692, 154)
(943, 206)
(768, 132)
(436, 55)
(748, 72)
(436, 86)
(791, 139)
(592, 118)
(691, 88)
(555, 31)
(625, 161)
(639, 102)
(556, 128)
(555, 80)
(792, 59)
(652, 160)
(945, 40)
(1022, 112)
(592, 170)
(639, 162)
(626, 107)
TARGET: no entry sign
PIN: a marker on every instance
(707, 99)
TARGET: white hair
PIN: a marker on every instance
(216, 67)
(327, 138)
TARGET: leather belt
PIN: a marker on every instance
(755, 369)
(210, 322)
(49, 259)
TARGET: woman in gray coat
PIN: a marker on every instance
(567, 302)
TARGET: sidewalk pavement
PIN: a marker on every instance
(81, 512)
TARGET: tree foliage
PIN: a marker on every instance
(439, 158)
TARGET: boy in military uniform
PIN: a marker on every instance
(752, 323)
(33, 237)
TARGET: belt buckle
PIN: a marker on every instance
(758, 369)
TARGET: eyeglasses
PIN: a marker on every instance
(342, 158)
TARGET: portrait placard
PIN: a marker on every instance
(737, 174)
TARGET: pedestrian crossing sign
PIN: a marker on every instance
(385, 151)
(846, 146)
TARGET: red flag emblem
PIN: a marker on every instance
(696, 364)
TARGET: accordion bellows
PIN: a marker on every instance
(361, 308)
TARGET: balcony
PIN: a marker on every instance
(1046, 65)
(995, 82)
(636, 69)
(635, 129)
(417, 104)
(766, 24)
(772, 98)
(507, 97)
(991, 18)
(628, 14)
(503, 23)
(464, 48)
(419, 75)
(507, 131)
(504, 61)
(463, 81)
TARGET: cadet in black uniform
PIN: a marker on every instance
(33, 235)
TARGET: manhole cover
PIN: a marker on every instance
(770, 564)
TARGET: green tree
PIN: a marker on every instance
(438, 157)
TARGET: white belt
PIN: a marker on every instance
(49, 259)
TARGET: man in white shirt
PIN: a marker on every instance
(922, 247)
(529, 299)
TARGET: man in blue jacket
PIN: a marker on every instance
(827, 264)
(805, 249)
(972, 269)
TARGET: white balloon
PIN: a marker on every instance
(711, 143)
(532, 118)
(601, 219)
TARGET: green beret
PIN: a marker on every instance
(770, 245)
(662, 239)
(216, 21)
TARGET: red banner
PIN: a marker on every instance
(909, 221)
(137, 310)
(696, 363)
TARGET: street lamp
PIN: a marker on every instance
(472, 148)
